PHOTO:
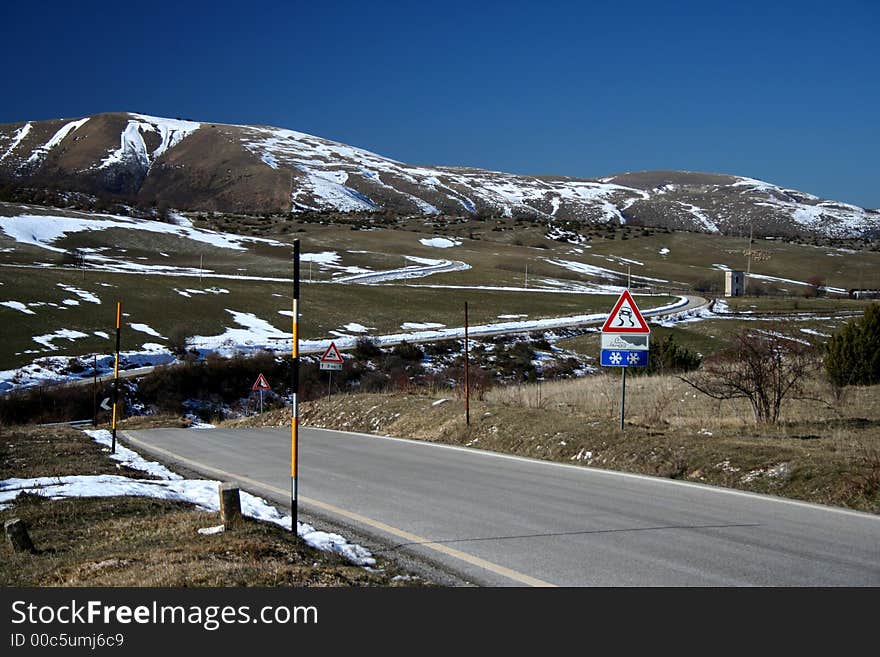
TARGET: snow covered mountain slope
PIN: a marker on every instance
(152, 161)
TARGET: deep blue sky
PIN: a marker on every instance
(788, 91)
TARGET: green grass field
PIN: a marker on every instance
(154, 301)
(500, 258)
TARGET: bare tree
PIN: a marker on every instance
(764, 367)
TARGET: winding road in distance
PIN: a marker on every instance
(498, 520)
(688, 302)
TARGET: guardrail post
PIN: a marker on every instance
(230, 504)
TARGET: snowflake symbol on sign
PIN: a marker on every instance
(633, 358)
(615, 358)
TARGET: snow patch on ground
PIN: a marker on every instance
(203, 493)
(599, 272)
(354, 327)
(82, 294)
(60, 334)
(702, 218)
(255, 332)
(44, 230)
(440, 242)
(144, 328)
(18, 305)
(41, 152)
(814, 332)
(129, 457)
(17, 138)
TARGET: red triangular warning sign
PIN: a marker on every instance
(261, 383)
(332, 355)
(625, 317)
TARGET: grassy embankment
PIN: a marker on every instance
(133, 541)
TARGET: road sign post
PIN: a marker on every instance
(625, 342)
(260, 385)
(332, 362)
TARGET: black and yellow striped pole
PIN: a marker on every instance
(467, 377)
(116, 373)
(294, 424)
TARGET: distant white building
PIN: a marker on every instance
(734, 283)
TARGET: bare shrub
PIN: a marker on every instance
(765, 368)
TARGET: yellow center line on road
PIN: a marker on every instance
(495, 568)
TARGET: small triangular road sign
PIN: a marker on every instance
(625, 317)
(332, 355)
(261, 383)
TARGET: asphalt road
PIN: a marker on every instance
(505, 521)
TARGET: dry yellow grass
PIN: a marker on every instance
(667, 400)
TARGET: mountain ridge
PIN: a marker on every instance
(152, 161)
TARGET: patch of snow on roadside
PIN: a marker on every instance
(203, 493)
(129, 457)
